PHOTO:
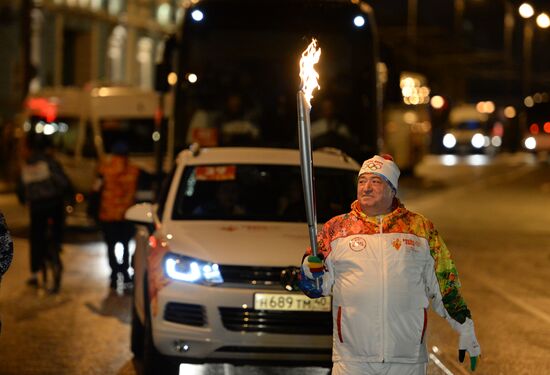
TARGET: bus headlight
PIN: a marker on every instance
(191, 270)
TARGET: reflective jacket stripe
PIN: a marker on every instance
(424, 326)
(339, 323)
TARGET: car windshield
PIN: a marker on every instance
(260, 193)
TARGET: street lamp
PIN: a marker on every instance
(526, 11)
(543, 21)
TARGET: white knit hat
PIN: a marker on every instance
(383, 166)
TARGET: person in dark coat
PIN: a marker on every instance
(43, 186)
(6, 249)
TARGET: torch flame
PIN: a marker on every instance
(308, 74)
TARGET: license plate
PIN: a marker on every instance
(290, 302)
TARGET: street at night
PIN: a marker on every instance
(492, 215)
(208, 187)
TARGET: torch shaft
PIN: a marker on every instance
(306, 163)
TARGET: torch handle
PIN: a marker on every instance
(306, 163)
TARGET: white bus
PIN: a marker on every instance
(83, 124)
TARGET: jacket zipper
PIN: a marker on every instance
(383, 285)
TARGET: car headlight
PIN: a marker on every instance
(478, 140)
(449, 140)
(530, 143)
(191, 270)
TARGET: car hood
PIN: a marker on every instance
(240, 243)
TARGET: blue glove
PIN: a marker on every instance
(309, 286)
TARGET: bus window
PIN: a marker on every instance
(137, 132)
(251, 50)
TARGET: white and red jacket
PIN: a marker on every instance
(382, 272)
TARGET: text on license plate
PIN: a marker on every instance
(290, 302)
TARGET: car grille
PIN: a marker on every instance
(287, 322)
(185, 313)
(251, 275)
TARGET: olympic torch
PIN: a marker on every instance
(308, 77)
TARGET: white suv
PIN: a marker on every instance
(216, 257)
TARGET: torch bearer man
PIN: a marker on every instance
(383, 265)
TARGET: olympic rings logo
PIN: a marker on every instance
(374, 165)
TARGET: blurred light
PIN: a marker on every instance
(528, 101)
(382, 70)
(359, 21)
(156, 136)
(437, 102)
(530, 143)
(498, 129)
(79, 197)
(537, 97)
(450, 160)
(486, 141)
(496, 141)
(412, 90)
(103, 91)
(39, 128)
(424, 91)
(186, 369)
(27, 126)
(410, 117)
(479, 107)
(510, 112)
(534, 128)
(407, 91)
(115, 7)
(526, 10)
(544, 96)
(546, 127)
(172, 78)
(543, 21)
(478, 140)
(49, 129)
(449, 140)
(197, 15)
(164, 12)
(96, 4)
(435, 349)
(477, 160)
(192, 78)
(485, 107)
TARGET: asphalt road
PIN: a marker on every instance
(493, 215)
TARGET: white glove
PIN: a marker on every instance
(468, 342)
